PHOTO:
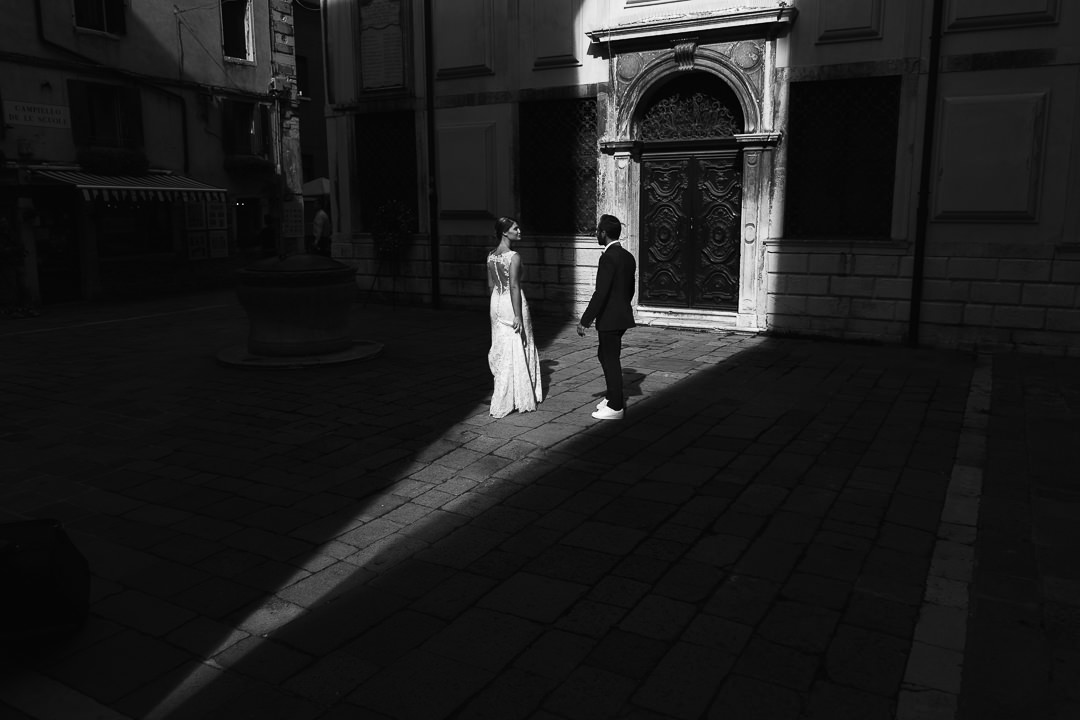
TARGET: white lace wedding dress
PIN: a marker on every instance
(513, 358)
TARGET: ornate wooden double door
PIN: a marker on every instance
(689, 256)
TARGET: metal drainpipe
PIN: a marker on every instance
(923, 212)
(142, 81)
(433, 195)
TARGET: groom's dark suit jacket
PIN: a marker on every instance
(610, 303)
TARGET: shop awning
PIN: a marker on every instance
(135, 187)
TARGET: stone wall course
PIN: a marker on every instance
(886, 265)
(893, 289)
(978, 314)
(828, 306)
(943, 290)
(789, 262)
(1050, 295)
(1019, 317)
(1063, 320)
(854, 286)
(1026, 270)
(973, 268)
(828, 263)
(873, 309)
(800, 284)
(787, 304)
(996, 293)
(1066, 271)
(942, 313)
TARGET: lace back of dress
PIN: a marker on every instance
(499, 265)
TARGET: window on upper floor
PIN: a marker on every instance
(246, 128)
(841, 158)
(103, 15)
(107, 116)
(237, 36)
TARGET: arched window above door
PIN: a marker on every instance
(695, 106)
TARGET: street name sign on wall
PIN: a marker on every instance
(17, 112)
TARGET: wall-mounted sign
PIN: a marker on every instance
(382, 59)
(217, 216)
(219, 243)
(196, 242)
(292, 219)
(17, 112)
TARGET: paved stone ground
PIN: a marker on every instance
(779, 529)
(1024, 652)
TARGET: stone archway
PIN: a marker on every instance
(737, 73)
(746, 68)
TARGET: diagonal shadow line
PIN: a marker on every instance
(373, 597)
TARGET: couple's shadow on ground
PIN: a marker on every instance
(632, 380)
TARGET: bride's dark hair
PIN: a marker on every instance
(502, 225)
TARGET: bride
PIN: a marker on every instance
(512, 358)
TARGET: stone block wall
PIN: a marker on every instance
(841, 291)
(993, 296)
(975, 296)
(558, 279)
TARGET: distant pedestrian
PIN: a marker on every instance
(320, 230)
(610, 308)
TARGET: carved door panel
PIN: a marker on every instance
(690, 230)
(665, 225)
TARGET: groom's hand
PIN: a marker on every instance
(581, 330)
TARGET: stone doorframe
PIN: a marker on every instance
(643, 57)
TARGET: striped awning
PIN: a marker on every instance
(135, 187)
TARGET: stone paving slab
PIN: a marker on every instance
(1023, 633)
(778, 528)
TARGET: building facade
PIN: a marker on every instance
(143, 144)
(895, 172)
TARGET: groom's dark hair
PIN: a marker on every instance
(610, 225)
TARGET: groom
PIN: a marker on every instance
(610, 308)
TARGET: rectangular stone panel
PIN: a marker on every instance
(382, 47)
(846, 20)
(556, 33)
(990, 158)
(466, 169)
(980, 14)
(464, 38)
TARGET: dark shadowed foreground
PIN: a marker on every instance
(779, 528)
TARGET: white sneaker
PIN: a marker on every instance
(601, 404)
(606, 413)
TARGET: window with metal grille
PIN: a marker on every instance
(386, 156)
(841, 157)
(558, 166)
(104, 15)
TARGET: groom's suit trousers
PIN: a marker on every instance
(608, 352)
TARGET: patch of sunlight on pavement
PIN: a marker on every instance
(272, 615)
